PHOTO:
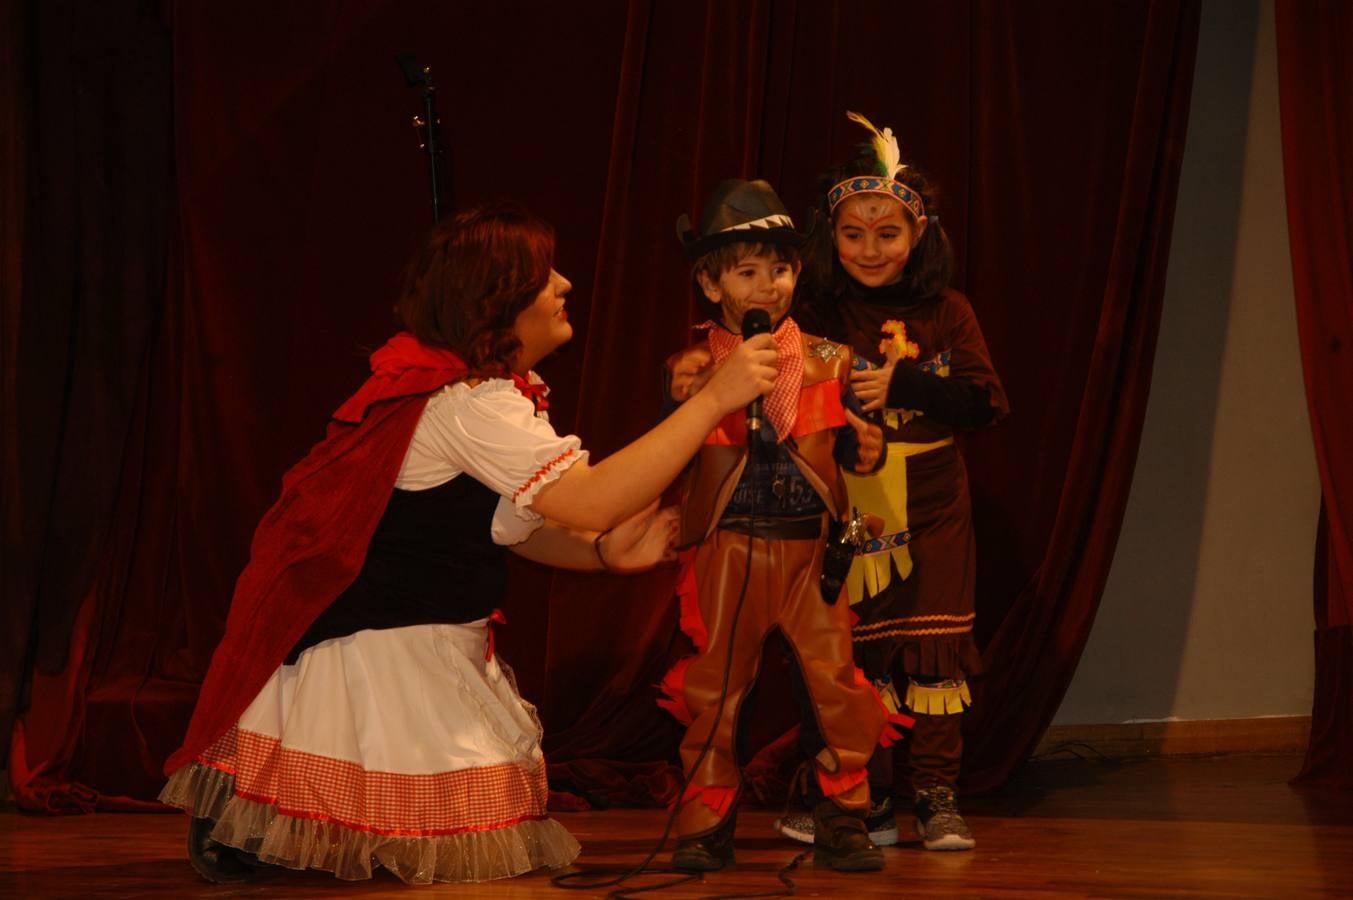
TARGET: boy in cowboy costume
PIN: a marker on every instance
(758, 513)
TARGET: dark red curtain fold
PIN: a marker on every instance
(16, 596)
(295, 192)
(88, 313)
(1032, 655)
(1315, 92)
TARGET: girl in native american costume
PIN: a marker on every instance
(878, 280)
(355, 714)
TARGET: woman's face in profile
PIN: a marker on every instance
(543, 326)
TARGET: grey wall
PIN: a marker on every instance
(1207, 613)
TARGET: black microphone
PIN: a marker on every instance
(754, 322)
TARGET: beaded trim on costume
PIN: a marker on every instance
(876, 184)
(886, 542)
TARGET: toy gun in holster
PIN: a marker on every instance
(845, 537)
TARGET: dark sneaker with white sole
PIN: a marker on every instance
(881, 823)
(938, 821)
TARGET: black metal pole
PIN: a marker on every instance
(432, 144)
(428, 125)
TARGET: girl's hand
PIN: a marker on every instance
(871, 385)
(689, 375)
(641, 541)
(871, 442)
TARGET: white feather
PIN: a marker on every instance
(885, 145)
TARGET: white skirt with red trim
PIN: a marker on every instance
(402, 747)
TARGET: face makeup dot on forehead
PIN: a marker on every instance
(871, 210)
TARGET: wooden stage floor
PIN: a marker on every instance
(1183, 827)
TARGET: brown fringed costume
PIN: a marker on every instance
(913, 588)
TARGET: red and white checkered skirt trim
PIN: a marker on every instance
(309, 786)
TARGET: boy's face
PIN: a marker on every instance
(754, 281)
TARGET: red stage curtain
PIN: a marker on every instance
(1123, 212)
(87, 498)
(16, 606)
(1056, 130)
(1315, 90)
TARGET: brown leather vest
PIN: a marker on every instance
(715, 471)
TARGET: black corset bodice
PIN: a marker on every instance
(431, 559)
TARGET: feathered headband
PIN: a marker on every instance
(886, 183)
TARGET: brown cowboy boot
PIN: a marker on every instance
(841, 840)
(708, 852)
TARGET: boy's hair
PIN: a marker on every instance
(721, 259)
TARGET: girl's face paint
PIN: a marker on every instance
(874, 237)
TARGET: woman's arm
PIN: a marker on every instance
(598, 496)
(640, 542)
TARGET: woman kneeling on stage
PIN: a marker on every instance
(355, 713)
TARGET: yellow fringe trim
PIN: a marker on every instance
(870, 575)
(891, 701)
(938, 701)
(884, 494)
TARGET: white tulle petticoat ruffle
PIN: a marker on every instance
(304, 843)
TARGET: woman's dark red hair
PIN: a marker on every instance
(476, 272)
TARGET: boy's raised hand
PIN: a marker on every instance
(691, 373)
(871, 442)
(641, 541)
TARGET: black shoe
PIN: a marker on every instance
(707, 853)
(841, 840)
(214, 861)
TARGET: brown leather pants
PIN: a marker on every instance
(783, 591)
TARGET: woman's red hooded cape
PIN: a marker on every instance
(310, 545)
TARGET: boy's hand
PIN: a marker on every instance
(641, 541)
(871, 385)
(747, 373)
(690, 374)
(871, 442)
